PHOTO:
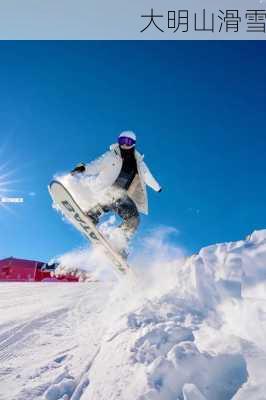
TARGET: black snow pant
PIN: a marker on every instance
(123, 206)
(127, 210)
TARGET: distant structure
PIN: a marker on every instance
(18, 270)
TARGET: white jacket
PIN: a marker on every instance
(106, 170)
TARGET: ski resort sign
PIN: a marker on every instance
(4, 200)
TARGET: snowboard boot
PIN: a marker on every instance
(94, 214)
(124, 254)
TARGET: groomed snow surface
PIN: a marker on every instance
(184, 329)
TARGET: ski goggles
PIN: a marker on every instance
(126, 141)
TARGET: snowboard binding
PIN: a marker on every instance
(94, 214)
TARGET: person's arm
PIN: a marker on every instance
(149, 179)
(92, 168)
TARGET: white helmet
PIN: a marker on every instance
(127, 138)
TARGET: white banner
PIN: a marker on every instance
(137, 19)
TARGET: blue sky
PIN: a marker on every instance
(198, 109)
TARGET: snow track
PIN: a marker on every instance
(25, 333)
(49, 346)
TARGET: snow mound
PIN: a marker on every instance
(61, 389)
(202, 336)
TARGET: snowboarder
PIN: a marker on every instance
(123, 175)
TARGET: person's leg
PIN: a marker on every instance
(127, 210)
(108, 198)
(95, 213)
(124, 206)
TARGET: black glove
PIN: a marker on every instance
(160, 190)
(78, 169)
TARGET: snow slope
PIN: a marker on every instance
(192, 329)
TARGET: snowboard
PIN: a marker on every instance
(73, 213)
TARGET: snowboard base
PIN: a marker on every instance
(70, 209)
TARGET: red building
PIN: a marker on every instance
(17, 270)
